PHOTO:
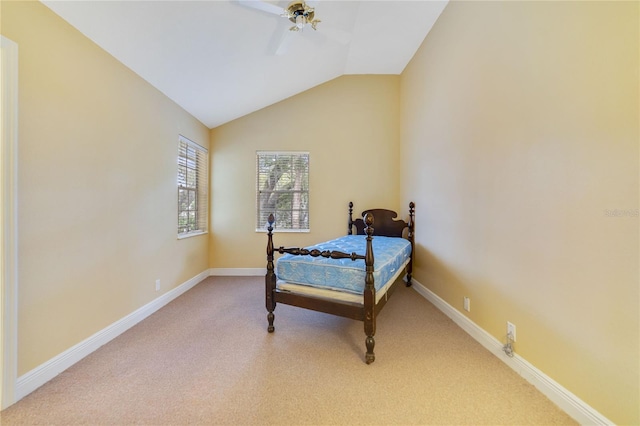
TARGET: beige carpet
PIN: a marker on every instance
(206, 358)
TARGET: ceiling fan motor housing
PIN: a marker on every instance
(299, 8)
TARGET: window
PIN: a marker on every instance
(283, 189)
(192, 188)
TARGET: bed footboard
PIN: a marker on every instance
(367, 313)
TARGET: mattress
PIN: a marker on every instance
(331, 294)
(391, 255)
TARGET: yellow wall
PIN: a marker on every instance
(97, 196)
(349, 126)
(514, 128)
(519, 142)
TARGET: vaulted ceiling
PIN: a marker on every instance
(222, 59)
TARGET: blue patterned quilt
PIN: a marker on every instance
(390, 254)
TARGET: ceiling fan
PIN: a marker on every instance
(301, 14)
(298, 12)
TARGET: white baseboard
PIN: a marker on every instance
(237, 272)
(37, 377)
(567, 401)
(570, 403)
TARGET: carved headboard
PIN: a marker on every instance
(385, 223)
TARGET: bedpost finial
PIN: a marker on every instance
(368, 219)
(412, 205)
(270, 222)
(350, 221)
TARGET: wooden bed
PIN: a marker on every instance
(367, 304)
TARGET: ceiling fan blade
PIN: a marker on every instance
(280, 41)
(339, 36)
(263, 6)
(285, 43)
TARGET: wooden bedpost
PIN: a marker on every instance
(270, 278)
(410, 237)
(350, 223)
(369, 292)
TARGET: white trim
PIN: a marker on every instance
(201, 188)
(192, 143)
(276, 152)
(567, 401)
(283, 231)
(191, 234)
(570, 403)
(237, 272)
(258, 210)
(47, 371)
(8, 221)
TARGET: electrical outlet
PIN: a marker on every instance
(467, 304)
(157, 285)
(511, 331)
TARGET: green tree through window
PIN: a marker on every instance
(283, 189)
(192, 187)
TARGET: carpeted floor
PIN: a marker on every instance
(206, 358)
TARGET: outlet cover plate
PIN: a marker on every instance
(511, 330)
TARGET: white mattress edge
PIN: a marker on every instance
(342, 296)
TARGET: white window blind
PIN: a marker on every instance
(282, 188)
(193, 168)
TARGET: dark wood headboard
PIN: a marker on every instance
(385, 223)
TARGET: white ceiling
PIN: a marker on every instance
(217, 58)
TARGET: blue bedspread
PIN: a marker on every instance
(345, 274)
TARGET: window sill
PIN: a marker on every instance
(282, 231)
(191, 234)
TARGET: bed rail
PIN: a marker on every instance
(297, 251)
(317, 253)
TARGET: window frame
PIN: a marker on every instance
(200, 170)
(259, 191)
